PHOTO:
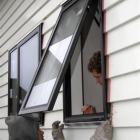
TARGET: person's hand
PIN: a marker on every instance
(40, 134)
(88, 109)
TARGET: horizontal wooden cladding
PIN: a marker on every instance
(15, 17)
(122, 13)
(4, 135)
(3, 4)
(11, 11)
(46, 39)
(4, 90)
(107, 4)
(125, 87)
(57, 113)
(132, 133)
(126, 113)
(3, 101)
(2, 124)
(29, 24)
(4, 79)
(79, 134)
(72, 134)
(7, 6)
(59, 102)
(48, 25)
(4, 58)
(51, 20)
(124, 36)
(50, 117)
(125, 61)
(4, 69)
(3, 112)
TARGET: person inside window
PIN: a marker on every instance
(94, 67)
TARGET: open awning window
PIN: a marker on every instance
(51, 71)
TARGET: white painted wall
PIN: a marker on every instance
(122, 28)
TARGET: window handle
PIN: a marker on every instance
(11, 93)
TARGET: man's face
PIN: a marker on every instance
(97, 76)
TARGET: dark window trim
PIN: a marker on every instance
(9, 82)
(37, 30)
(52, 99)
(67, 117)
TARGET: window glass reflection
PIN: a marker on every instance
(14, 65)
(76, 80)
(48, 73)
(55, 56)
(87, 68)
(29, 59)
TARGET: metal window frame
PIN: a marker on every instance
(37, 30)
(67, 115)
(9, 82)
(60, 78)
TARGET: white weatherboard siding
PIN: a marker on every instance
(19, 17)
(3, 112)
(4, 135)
(118, 16)
(6, 8)
(126, 133)
(110, 3)
(4, 59)
(126, 113)
(3, 90)
(123, 52)
(124, 36)
(10, 12)
(3, 101)
(2, 4)
(2, 125)
(4, 69)
(73, 134)
(125, 61)
(125, 87)
(4, 79)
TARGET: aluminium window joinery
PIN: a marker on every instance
(23, 62)
(50, 74)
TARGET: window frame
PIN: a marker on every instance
(60, 77)
(37, 30)
(9, 82)
(67, 107)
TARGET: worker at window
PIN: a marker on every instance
(23, 128)
(94, 67)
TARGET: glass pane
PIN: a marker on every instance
(13, 81)
(29, 59)
(76, 81)
(86, 87)
(68, 22)
(93, 94)
(14, 65)
(54, 58)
